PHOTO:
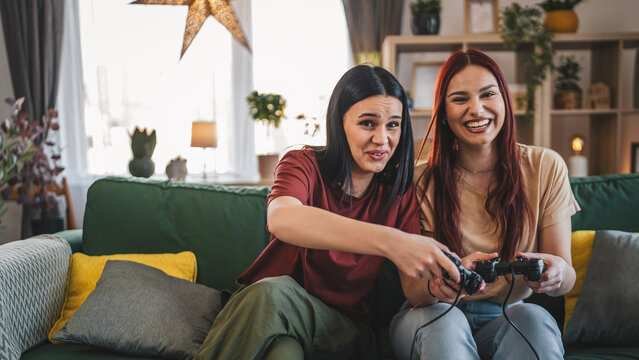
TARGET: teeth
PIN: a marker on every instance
(477, 124)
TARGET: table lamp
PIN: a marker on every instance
(577, 163)
(204, 135)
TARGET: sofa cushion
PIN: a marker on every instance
(33, 276)
(84, 272)
(139, 310)
(224, 226)
(607, 310)
(580, 249)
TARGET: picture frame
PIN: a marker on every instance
(634, 157)
(481, 16)
(423, 84)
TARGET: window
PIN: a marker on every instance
(133, 77)
(300, 50)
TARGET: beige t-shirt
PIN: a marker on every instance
(545, 180)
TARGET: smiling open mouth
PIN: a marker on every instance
(477, 124)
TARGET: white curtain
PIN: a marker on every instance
(243, 158)
(70, 105)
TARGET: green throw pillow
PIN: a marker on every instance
(139, 310)
(607, 310)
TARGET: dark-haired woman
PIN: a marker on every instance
(484, 195)
(335, 213)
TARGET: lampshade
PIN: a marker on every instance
(204, 134)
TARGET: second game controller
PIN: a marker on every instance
(530, 268)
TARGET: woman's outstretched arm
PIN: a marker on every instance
(415, 255)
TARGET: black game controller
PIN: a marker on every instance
(530, 268)
(470, 280)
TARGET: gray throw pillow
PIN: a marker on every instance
(607, 310)
(139, 310)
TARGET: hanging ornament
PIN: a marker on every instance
(199, 10)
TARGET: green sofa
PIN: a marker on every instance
(226, 228)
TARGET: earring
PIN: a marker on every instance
(445, 121)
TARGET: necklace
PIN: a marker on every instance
(475, 171)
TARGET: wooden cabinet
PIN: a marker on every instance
(611, 59)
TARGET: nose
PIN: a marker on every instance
(380, 136)
(476, 106)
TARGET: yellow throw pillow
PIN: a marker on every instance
(85, 271)
(581, 249)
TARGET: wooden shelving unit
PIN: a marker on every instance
(604, 58)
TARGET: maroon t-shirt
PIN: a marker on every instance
(339, 279)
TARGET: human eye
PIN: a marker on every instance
(367, 123)
(489, 94)
(393, 124)
(459, 99)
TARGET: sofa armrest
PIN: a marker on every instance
(73, 237)
(33, 278)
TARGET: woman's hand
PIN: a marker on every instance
(552, 278)
(421, 257)
(446, 290)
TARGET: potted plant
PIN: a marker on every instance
(560, 16)
(425, 17)
(15, 150)
(30, 171)
(269, 109)
(142, 145)
(568, 95)
(522, 30)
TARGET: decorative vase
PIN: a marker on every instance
(569, 99)
(176, 169)
(267, 164)
(47, 225)
(562, 21)
(425, 24)
(141, 167)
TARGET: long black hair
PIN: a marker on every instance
(357, 84)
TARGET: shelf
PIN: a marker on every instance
(573, 112)
(606, 59)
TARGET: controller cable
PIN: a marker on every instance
(503, 310)
(412, 345)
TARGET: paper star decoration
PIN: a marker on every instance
(199, 10)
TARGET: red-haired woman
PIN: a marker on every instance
(484, 195)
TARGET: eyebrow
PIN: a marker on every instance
(465, 92)
(377, 116)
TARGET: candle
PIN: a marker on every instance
(577, 166)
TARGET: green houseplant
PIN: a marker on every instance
(30, 168)
(560, 16)
(522, 30)
(568, 92)
(425, 16)
(142, 145)
(268, 109)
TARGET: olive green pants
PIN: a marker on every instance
(272, 307)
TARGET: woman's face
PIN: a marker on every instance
(474, 106)
(373, 128)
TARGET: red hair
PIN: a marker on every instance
(506, 203)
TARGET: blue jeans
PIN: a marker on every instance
(475, 330)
